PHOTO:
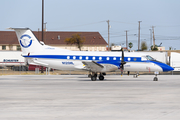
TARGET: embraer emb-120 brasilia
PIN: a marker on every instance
(97, 63)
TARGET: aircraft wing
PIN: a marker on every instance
(93, 66)
(97, 67)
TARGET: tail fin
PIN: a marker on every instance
(27, 40)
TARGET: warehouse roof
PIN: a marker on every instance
(54, 37)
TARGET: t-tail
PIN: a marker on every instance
(27, 40)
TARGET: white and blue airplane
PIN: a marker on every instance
(97, 63)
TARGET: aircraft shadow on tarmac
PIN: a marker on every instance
(107, 80)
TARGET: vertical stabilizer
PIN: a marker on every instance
(27, 40)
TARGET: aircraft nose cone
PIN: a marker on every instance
(167, 68)
(170, 68)
(164, 66)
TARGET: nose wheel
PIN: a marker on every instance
(155, 78)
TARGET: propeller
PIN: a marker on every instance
(122, 62)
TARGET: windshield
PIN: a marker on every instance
(149, 57)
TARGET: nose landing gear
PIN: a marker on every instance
(155, 78)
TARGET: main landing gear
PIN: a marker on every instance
(94, 75)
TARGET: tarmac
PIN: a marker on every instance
(76, 97)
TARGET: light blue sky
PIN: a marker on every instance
(91, 15)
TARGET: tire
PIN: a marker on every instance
(93, 78)
(155, 79)
(101, 77)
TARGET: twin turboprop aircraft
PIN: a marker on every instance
(97, 63)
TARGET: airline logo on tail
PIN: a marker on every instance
(25, 41)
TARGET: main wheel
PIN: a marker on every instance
(93, 78)
(89, 75)
(101, 77)
(155, 79)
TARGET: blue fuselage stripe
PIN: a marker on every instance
(95, 58)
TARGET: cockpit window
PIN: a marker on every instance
(149, 57)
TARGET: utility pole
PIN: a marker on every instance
(153, 37)
(38, 34)
(45, 26)
(42, 71)
(139, 36)
(150, 38)
(108, 35)
(44, 31)
(42, 20)
(126, 40)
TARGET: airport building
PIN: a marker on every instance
(93, 40)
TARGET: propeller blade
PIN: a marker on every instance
(122, 57)
(121, 72)
(128, 73)
(122, 60)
